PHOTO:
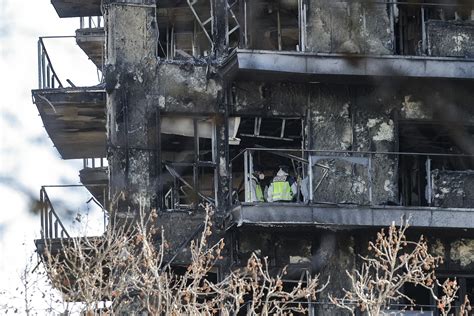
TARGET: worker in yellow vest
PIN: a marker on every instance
(256, 191)
(283, 187)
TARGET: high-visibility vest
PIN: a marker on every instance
(256, 191)
(281, 189)
(259, 193)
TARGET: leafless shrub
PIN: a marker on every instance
(393, 262)
(465, 308)
(127, 268)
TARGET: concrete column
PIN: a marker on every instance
(219, 26)
(222, 160)
(131, 46)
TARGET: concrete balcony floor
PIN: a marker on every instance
(347, 216)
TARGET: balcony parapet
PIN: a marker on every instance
(347, 216)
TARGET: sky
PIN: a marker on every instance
(27, 156)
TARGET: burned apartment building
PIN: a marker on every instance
(369, 104)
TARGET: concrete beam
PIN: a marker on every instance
(344, 217)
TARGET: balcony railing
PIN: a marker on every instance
(52, 227)
(91, 22)
(94, 162)
(47, 77)
(361, 178)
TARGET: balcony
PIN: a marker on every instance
(76, 8)
(74, 117)
(90, 37)
(83, 8)
(95, 177)
(57, 235)
(344, 190)
(298, 42)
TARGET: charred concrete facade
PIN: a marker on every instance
(369, 103)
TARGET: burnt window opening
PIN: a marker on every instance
(272, 24)
(424, 300)
(440, 151)
(275, 142)
(420, 295)
(466, 288)
(181, 36)
(188, 168)
(412, 22)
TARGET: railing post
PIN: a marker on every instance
(246, 176)
(42, 205)
(50, 224)
(423, 31)
(310, 175)
(43, 65)
(369, 171)
(246, 41)
(48, 76)
(39, 63)
(302, 24)
(231, 179)
(429, 181)
(103, 207)
(46, 221)
(56, 229)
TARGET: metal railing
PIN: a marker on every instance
(317, 307)
(324, 176)
(184, 194)
(94, 162)
(300, 17)
(91, 22)
(51, 225)
(47, 77)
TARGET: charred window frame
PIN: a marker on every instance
(266, 133)
(410, 22)
(273, 24)
(182, 36)
(188, 161)
(436, 146)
